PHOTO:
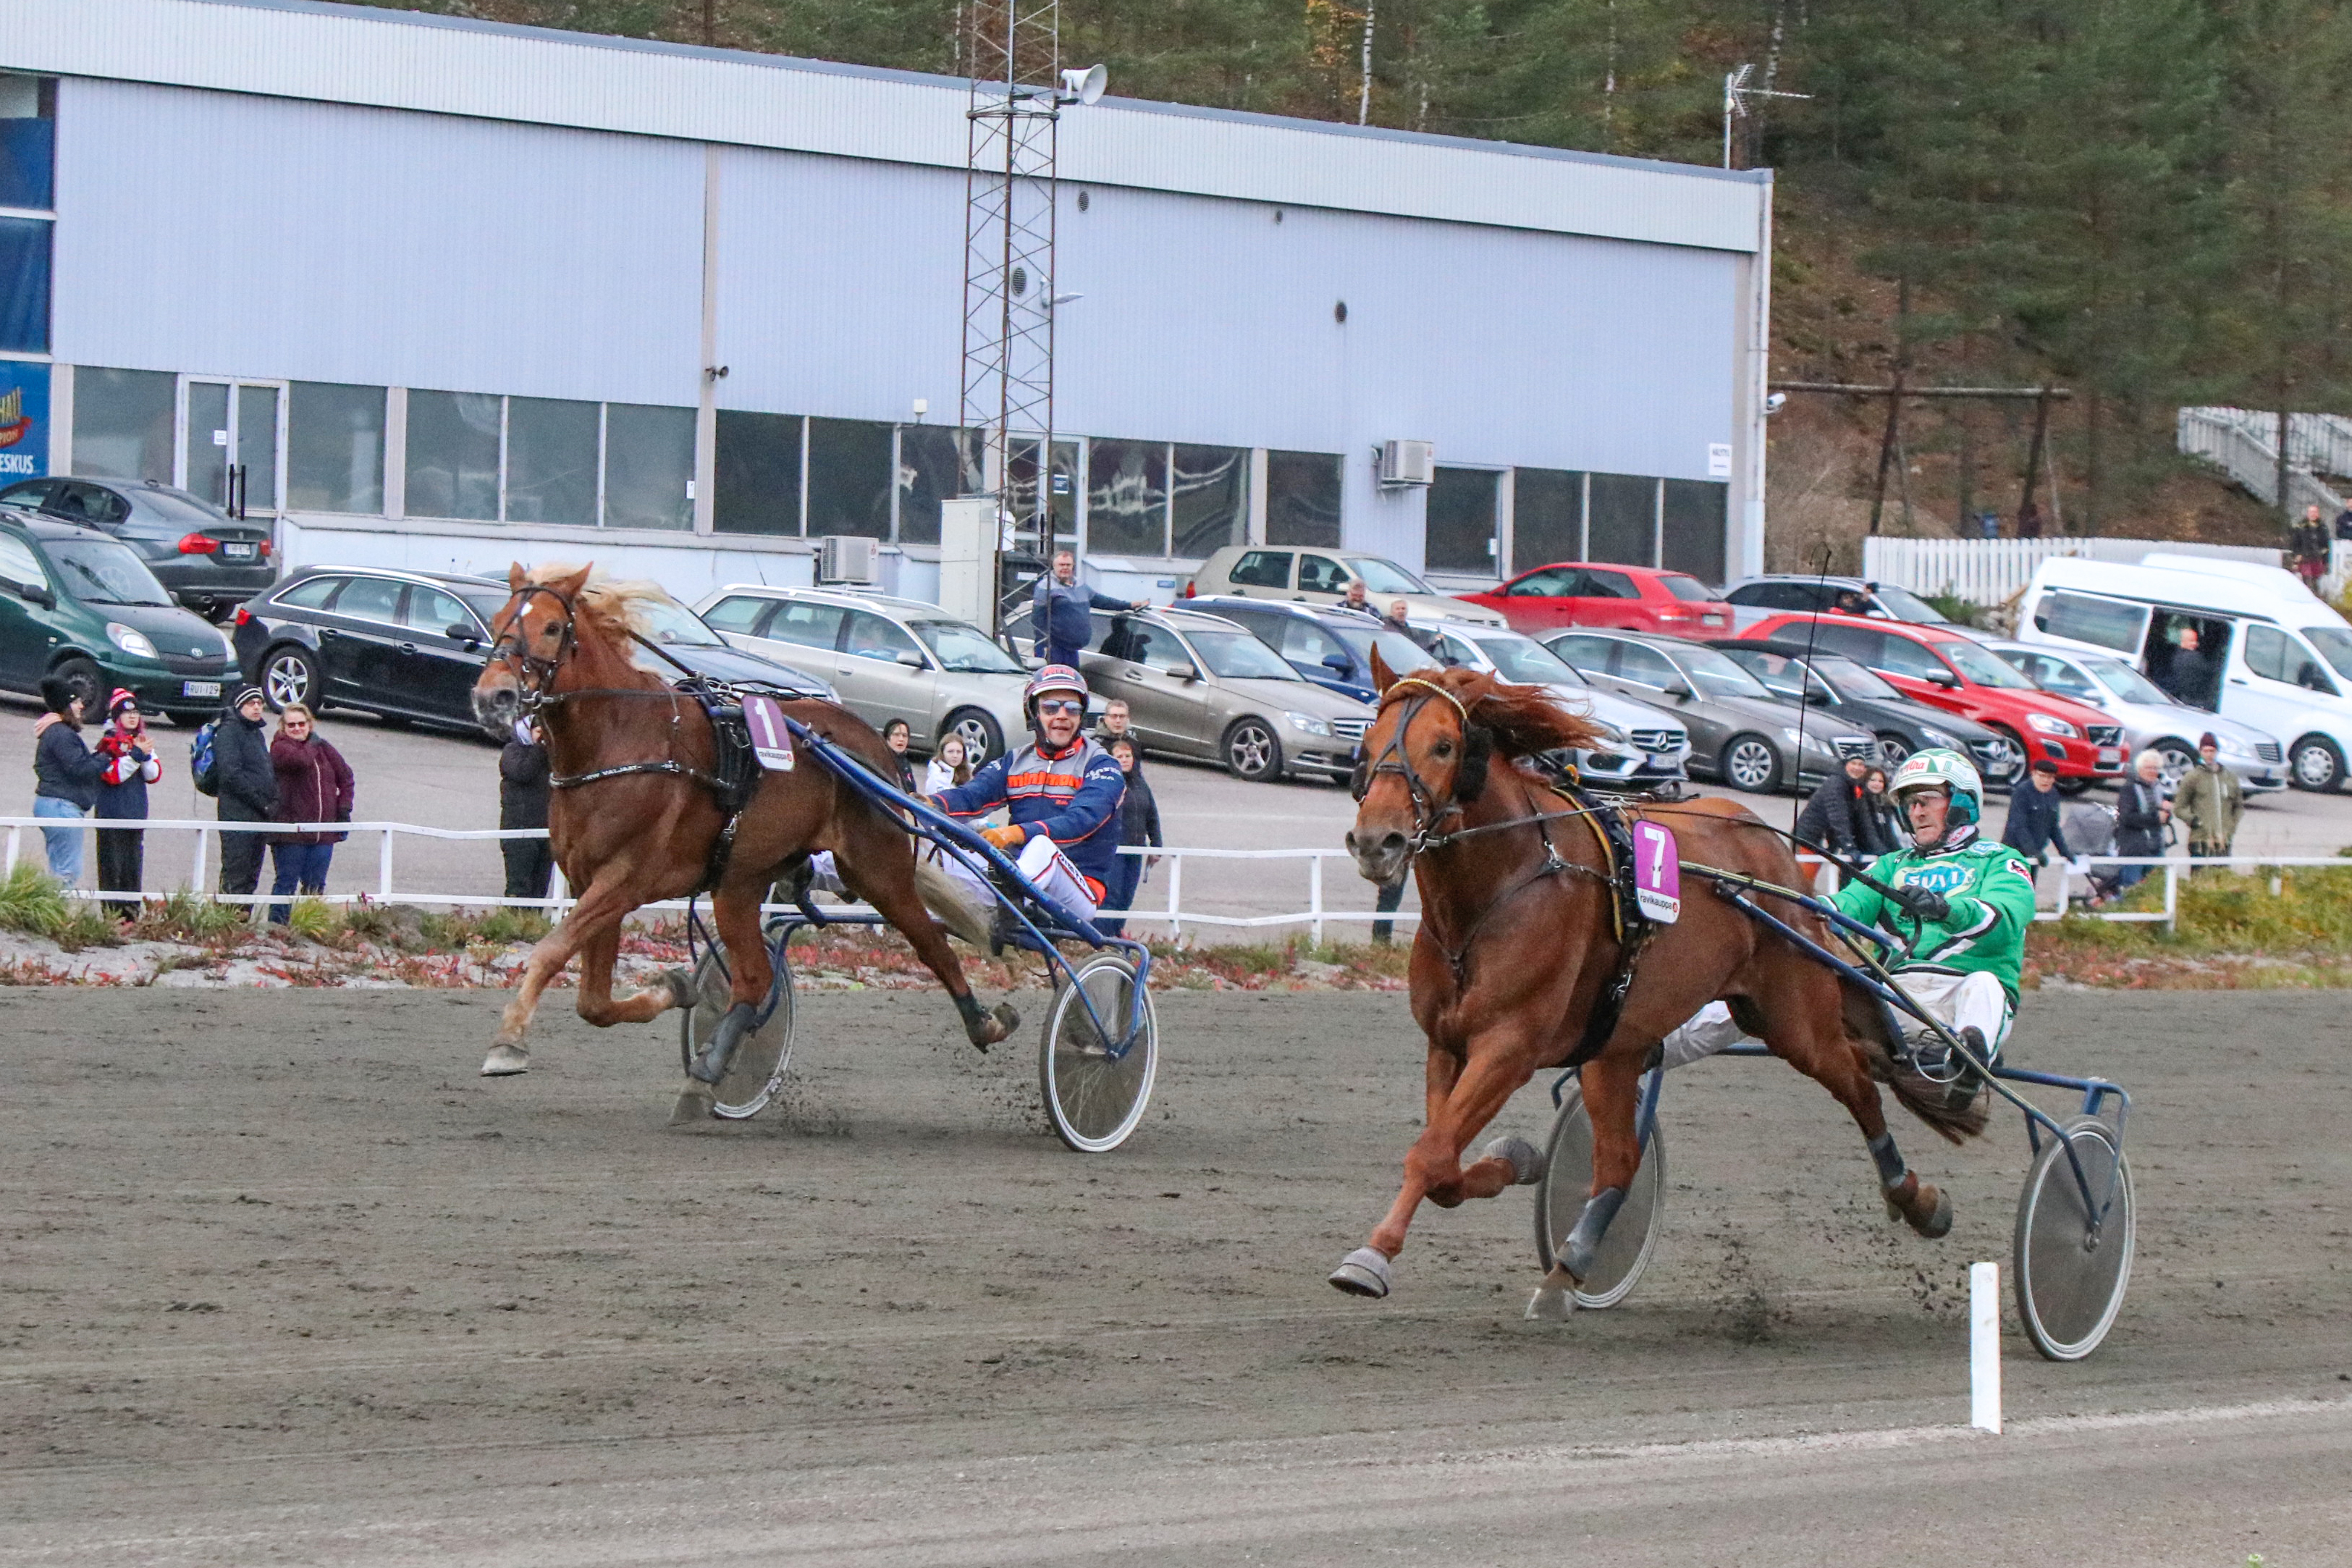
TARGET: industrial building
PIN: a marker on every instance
(440, 293)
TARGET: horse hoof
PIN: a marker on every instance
(695, 1103)
(1938, 1204)
(1001, 1021)
(505, 1061)
(1526, 1161)
(1363, 1272)
(681, 987)
(1551, 1303)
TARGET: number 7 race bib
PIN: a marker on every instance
(1657, 873)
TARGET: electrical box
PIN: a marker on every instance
(968, 538)
(1408, 463)
(846, 558)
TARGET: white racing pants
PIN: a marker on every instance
(1960, 1001)
(1040, 861)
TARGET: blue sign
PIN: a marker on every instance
(24, 420)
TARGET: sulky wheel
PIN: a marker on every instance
(2070, 1278)
(1094, 1091)
(1567, 1182)
(758, 1068)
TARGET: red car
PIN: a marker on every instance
(1630, 598)
(1962, 676)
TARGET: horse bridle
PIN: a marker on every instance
(507, 648)
(1396, 761)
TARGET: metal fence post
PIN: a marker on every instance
(383, 868)
(1175, 890)
(196, 871)
(2172, 897)
(1315, 898)
(14, 834)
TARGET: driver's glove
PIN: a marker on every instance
(1924, 904)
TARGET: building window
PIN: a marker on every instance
(123, 424)
(1622, 521)
(1547, 518)
(551, 461)
(453, 455)
(24, 284)
(1302, 499)
(935, 463)
(1461, 521)
(758, 488)
(1021, 491)
(334, 448)
(1695, 513)
(1127, 498)
(1209, 499)
(850, 478)
(648, 465)
(28, 120)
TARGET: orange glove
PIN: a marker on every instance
(1009, 839)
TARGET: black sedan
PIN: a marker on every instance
(411, 645)
(206, 559)
(1842, 689)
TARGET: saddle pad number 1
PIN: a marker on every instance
(771, 741)
(1657, 873)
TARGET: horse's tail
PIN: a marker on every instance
(1924, 1099)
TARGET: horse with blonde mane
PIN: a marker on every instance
(634, 817)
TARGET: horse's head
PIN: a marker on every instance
(530, 636)
(1423, 759)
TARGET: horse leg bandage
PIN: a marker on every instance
(1583, 1243)
(711, 1065)
(1891, 1169)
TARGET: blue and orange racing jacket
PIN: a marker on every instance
(1070, 796)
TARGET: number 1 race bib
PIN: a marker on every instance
(771, 741)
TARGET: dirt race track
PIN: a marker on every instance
(285, 1282)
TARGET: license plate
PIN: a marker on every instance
(2110, 756)
(200, 688)
(236, 552)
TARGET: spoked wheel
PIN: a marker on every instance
(2071, 1279)
(1094, 1092)
(757, 1071)
(1567, 1182)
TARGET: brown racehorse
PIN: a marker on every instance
(564, 645)
(1517, 942)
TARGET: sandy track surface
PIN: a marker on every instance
(285, 1282)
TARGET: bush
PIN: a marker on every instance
(31, 902)
(314, 920)
(185, 916)
(505, 925)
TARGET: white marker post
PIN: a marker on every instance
(1984, 1346)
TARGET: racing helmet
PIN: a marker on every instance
(1053, 677)
(1940, 766)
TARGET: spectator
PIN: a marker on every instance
(2141, 812)
(2190, 674)
(314, 784)
(950, 765)
(1354, 598)
(2308, 543)
(1851, 602)
(248, 788)
(898, 736)
(1139, 822)
(131, 765)
(2344, 526)
(1884, 826)
(523, 795)
(1396, 621)
(2210, 802)
(1391, 895)
(1118, 724)
(65, 775)
(2033, 828)
(1834, 816)
(1061, 606)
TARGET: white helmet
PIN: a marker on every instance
(1939, 767)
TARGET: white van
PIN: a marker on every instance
(2265, 652)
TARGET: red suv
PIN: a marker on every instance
(1962, 676)
(1630, 598)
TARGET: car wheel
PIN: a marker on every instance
(2011, 762)
(2070, 788)
(2178, 760)
(2317, 764)
(1253, 751)
(982, 737)
(1751, 763)
(1892, 749)
(289, 674)
(89, 683)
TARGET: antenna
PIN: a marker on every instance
(1736, 94)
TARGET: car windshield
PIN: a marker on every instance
(1909, 606)
(2335, 646)
(1848, 679)
(1525, 659)
(666, 621)
(2127, 684)
(1688, 588)
(1384, 577)
(1982, 666)
(1717, 676)
(1397, 650)
(178, 506)
(1238, 655)
(960, 647)
(101, 571)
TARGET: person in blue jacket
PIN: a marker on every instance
(1061, 605)
(1061, 791)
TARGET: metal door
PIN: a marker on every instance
(233, 444)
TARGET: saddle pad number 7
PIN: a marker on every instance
(1657, 873)
(771, 741)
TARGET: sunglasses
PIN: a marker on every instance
(1052, 705)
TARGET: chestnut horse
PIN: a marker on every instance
(1517, 941)
(565, 648)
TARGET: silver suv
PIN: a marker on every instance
(891, 658)
(1644, 747)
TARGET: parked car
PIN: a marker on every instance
(1582, 593)
(1960, 675)
(890, 657)
(1862, 700)
(1314, 577)
(411, 645)
(2152, 718)
(208, 561)
(2278, 660)
(77, 603)
(1330, 647)
(1757, 599)
(1740, 733)
(1645, 746)
(1201, 686)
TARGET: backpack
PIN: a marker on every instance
(202, 762)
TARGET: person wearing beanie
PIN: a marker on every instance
(65, 775)
(2210, 801)
(523, 796)
(248, 788)
(131, 765)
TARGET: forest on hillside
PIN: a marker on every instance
(2147, 202)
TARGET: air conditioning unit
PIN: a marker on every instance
(845, 558)
(1408, 462)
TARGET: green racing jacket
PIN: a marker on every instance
(1990, 890)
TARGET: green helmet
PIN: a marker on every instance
(1948, 768)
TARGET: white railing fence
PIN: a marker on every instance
(1995, 570)
(1165, 907)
